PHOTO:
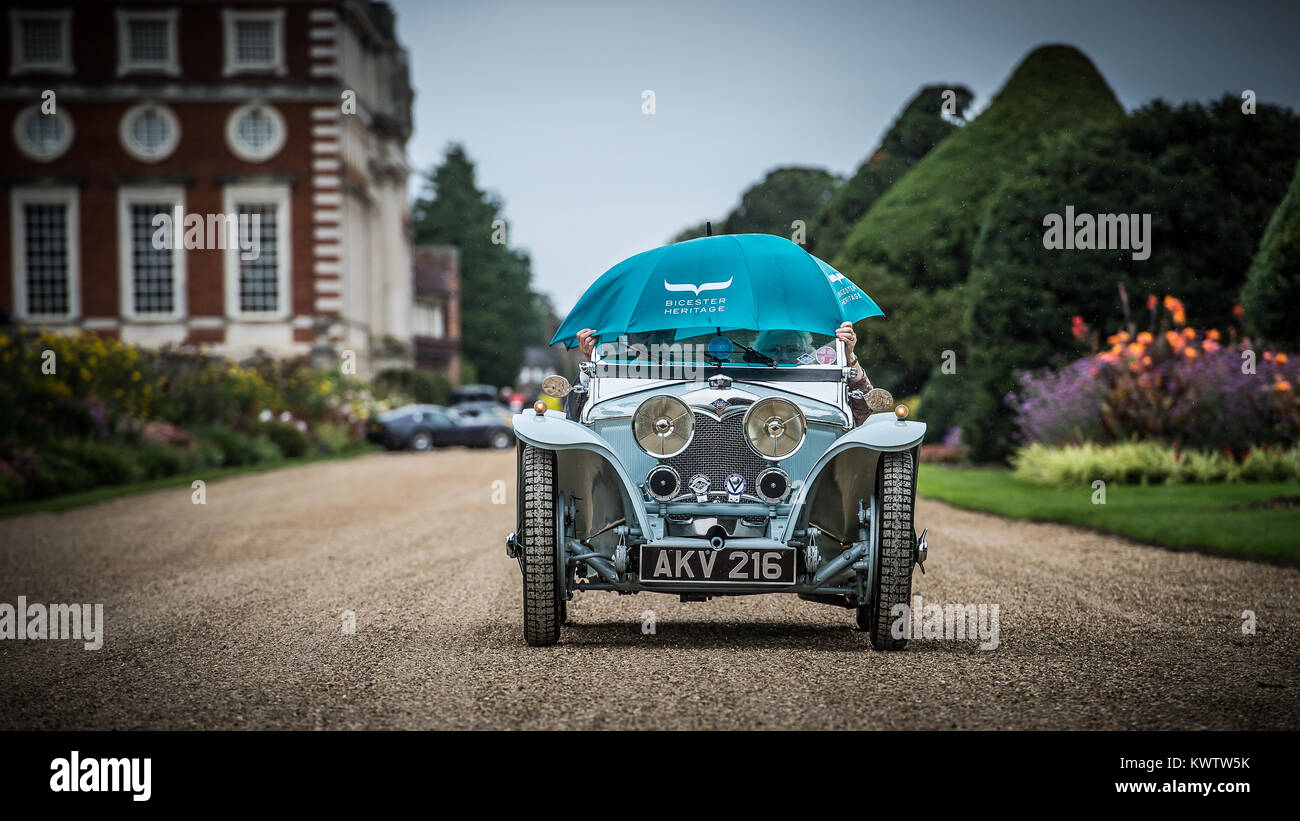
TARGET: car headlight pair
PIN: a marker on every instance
(663, 426)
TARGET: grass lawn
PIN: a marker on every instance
(1181, 516)
(54, 504)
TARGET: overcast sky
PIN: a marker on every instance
(547, 96)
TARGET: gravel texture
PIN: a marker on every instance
(229, 615)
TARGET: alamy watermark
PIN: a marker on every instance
(81, 622)
(951, 622)
(1098, 232)
(215, 232)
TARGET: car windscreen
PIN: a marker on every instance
(732, 348)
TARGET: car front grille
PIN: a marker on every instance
(718, 450)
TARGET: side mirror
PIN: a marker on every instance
(879, 400)
(556, 385)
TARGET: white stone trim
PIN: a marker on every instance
(328, 268)
(325, 164)
(329, 286)
(330, 131)
(16, 63)
(325, 148)
(327, 198)
(69, 197)
(277, 195)
(328, 304)
(101, 323)
(172, 67)
(333, 251)
(126, 197)
(322, 113)
(207, 322)
(332, 215)
(20, 133)
(242, 151)
(229, 18)
(325, 181)
(138, 152)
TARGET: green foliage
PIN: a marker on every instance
(919, 128)
(1021, 296)
(288, 439)
(771, 205)
(1233, 518)
(422, 386)
(496, 282)
(1273, 284)
(912, 250)
(1150, 463)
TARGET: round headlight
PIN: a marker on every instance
(775, 428)
(663, 426)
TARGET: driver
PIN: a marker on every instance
(783, 346)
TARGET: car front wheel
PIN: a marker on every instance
(500, 440)
(543, 555)
(895, 551)
(421, 441)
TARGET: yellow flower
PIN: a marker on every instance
(135, 376)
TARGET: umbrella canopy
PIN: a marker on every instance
(758, 282)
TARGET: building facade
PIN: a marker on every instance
(222, 173)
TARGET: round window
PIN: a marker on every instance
(255, 132)
(150, 132)
(42, 137)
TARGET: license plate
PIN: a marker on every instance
(730, 565)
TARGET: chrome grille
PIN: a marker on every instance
(718, 450)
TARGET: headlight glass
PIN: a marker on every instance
(775, 428)
(663, 426)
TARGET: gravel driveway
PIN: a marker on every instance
(231, 614)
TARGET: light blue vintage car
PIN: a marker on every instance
(716, 463)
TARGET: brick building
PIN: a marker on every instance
(436, 316)
(295, 113)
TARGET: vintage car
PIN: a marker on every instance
(712, 464)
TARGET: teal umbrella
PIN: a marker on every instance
(758, 282)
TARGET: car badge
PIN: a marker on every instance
(719, 405)
(826, 355)
(700, 486)
(806, 359)
(735, 486)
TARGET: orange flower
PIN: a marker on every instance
(1134, 349)
(1174, 339)
(1268, 356)
(1116, 339)
(1151, 302)
(1280, 359)
(1145, 338)
(1134, 365)
(1238, 311)
(1189, 333)
(1190, 353)
(1282, 386)
(1213, 333)
(1210, 346)
(1146, 360)
(1180, 318)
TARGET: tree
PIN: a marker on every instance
(919, 128)
(497, 300)
(1206, 177)
(771, 205)
(922, 230)
(1273, 284)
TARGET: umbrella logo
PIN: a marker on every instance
(697, 289)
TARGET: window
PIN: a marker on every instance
(146, 42)
(45, 262)
(255, 132)
(43, 137)
(152, 268)
(150, 132)
(257, 266)
(254, 41)
(40, 41)
(428, 320)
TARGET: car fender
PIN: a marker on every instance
(553, 431)
(881, 432)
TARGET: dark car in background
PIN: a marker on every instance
(424, 427)
(474, 393)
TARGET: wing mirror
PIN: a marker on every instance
(556, 385)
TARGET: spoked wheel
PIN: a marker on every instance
(421, 441)
(895, 552)
(544, 596)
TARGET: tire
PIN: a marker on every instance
(894, 558)
(500, 440)
(544, 592)
(420, 441)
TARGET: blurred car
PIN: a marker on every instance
(482, 411)
(473, 393)
(423, 427)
